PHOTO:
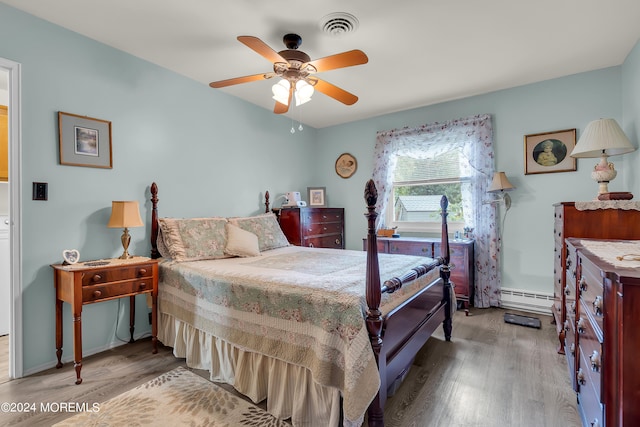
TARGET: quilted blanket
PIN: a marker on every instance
(300, 305)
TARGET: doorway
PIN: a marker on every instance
(10, 261)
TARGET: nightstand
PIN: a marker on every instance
(103, 280)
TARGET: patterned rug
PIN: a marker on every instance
(177, 398)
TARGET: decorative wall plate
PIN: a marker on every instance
(71, 256)
(346, 165)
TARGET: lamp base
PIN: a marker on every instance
(620, 195)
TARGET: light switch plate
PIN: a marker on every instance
(40, 190)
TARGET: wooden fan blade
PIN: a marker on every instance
(238, 80)
(335, 92)
(261, 48)
(281, 108)
(339, 60)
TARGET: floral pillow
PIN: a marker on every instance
(194, 239)
(266, 227)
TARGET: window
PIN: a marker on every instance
(417, 187)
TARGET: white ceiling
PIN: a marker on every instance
(421, 52)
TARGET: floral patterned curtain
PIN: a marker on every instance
(474, 136)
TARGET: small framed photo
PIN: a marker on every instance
(84, 141)
(549, 152)
(317, 197)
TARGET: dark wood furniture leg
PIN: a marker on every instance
(59, 332)
(132, 316)
(77, 340)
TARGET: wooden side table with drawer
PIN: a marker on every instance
(96, 281)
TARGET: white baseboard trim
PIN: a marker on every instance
(524, 300)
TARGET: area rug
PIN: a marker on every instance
(177, 398)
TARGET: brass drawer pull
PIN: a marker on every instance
(97, 294)
(142, 285)
(337, 241)
(143, 271)
(96, 278)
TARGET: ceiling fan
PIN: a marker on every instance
(296, 69)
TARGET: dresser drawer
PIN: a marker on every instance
(590, 355)
(311, 216)
(115, 289)
(589, 393)
(411, 248)
(323, 228)
(332, 241)
(113, 275)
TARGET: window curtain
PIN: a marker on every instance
(474, 137)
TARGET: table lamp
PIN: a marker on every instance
(603, 138)
(125, 214)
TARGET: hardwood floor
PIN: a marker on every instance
(492, 374)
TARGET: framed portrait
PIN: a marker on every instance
(549, 152)
(346, 165)
(317, 197)
(84, 141)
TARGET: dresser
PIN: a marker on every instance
(95, 281)
(313, 227)
(461, 258)
(593, 222)
(602, 332)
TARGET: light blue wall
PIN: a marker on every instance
(565, 103)
(200, 144)
(211, 154)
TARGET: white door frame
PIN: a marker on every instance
(15, 209)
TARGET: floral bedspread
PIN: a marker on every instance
(300, 305)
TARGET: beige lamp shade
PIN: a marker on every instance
(603, 136)
(500, 183)
(125, 214)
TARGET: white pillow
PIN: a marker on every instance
(241, 243)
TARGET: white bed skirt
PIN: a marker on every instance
(289, 389)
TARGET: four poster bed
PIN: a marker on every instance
(313, 331)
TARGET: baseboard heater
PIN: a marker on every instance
(534, 302)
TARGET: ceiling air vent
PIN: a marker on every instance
(339, 23)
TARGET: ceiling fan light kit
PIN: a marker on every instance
(296, 68)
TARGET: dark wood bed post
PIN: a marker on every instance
(373, 295)
(445, 271)
(154, 221)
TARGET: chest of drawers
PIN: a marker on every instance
(313, 227)
(594, 223)
(461, 259)
(603, 334)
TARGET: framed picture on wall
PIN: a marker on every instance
(84, 141)
(549, 152)
(317, 197)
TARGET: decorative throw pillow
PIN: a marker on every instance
(266, 227)
(241, 243)
(194, 239)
